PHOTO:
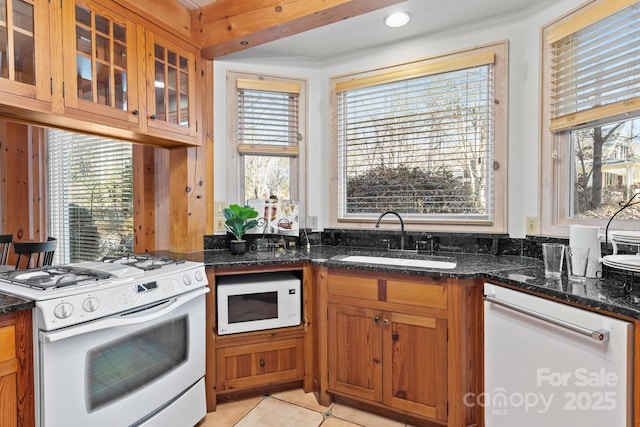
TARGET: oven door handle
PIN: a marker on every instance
(124, 319)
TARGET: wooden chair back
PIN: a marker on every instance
(34, 254)
(5, 244)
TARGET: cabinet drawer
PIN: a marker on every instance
(7, 343)
(420, 294)
(255, 365)
(353, 286)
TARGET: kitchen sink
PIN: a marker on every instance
(426, 262)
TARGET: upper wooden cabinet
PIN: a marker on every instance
(100, 61)
(24, 48)
(170, 86)
(120, 73)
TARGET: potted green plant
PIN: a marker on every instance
(239, 219)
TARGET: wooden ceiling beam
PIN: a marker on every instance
(228, 26)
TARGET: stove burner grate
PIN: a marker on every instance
(53, 277)
(142, 261)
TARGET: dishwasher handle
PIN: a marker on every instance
(595, 334)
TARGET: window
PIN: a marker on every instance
(425, 139)
(90, 195)
(591, 120)
(267, 126)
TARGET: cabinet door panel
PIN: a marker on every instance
(355, 351)
(8, 395)
(100, 62)
(253, 365)
(171, 90)
(24, 48)
(415, 369)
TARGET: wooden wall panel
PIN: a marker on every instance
(23, 181)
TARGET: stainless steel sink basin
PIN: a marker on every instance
(444, 263)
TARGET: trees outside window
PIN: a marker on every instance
(590, 116)
(425, 139)
(91, 195)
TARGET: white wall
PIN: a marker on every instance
(523, 33)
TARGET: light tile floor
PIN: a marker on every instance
(293, 408)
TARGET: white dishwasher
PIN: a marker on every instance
(552, 365)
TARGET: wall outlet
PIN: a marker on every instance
(218, 218)
(532, 225)
(313, 222)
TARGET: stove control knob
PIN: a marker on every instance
(63, 310)
(90, 304)
(187, 279)
(199, 276)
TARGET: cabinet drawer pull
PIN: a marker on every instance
(376, 319)
(385, 322)
(262, 363)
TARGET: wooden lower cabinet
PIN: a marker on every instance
(248, 366)
(397, 359)
(402, 344)
(16, 370)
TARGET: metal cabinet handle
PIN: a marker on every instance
(262, 363)
(135, 112)
(153, 117)
(385, 322)
(595, 334)
(376, 319)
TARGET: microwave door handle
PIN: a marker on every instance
(124, 319)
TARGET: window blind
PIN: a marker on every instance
(90, 195)
(595, 73)
(267, 117)
(422, 146)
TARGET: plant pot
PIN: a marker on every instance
(238, 247)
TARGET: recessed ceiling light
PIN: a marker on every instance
(397, 19)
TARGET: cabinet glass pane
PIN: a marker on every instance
(24, 52)
(102, 49)
(159, 84)
(84, 78)
(83, 16)
(120, 55)
(83, 41)
(184, 64)
(172, 80)
(103, 84)
(102, 59)
(4, 66)
(23, 16)
(119, 33)
(103, 25)
(120, 89)
(184, 99)
(17, 45)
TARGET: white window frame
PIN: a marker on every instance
(444, 62)
(236, 150)
(555, 149)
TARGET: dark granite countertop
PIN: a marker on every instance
(520, 272)
(9, 304)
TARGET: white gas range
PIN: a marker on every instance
(117, 341)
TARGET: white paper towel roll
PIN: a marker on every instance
(585, 236)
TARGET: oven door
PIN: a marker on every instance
(124, 368)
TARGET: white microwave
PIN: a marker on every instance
(255, 302)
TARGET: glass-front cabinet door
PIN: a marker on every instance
(100, 62)
(171, 99)
(24, 46)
